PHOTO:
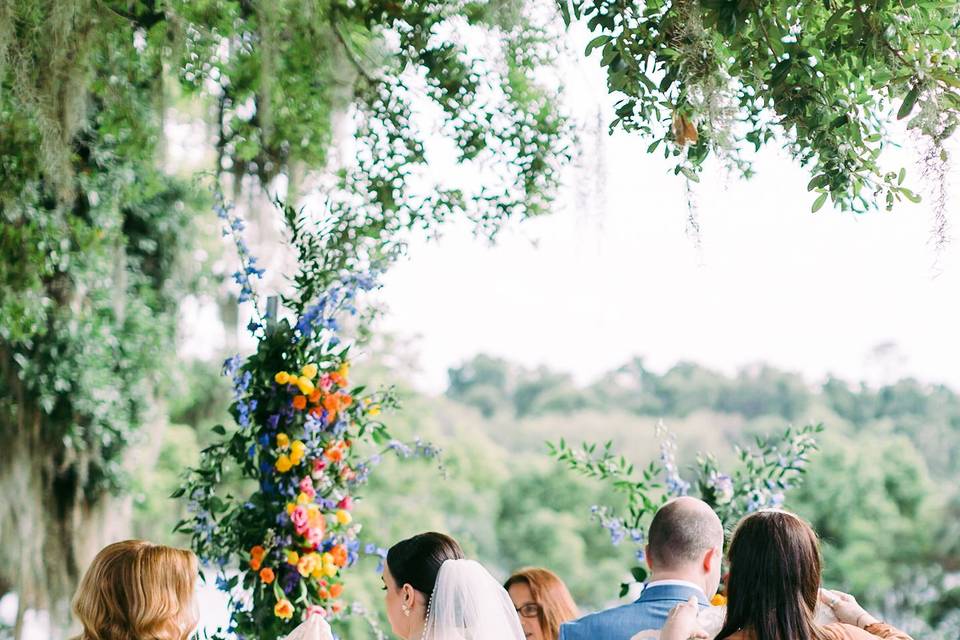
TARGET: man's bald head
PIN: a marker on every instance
(682, 531)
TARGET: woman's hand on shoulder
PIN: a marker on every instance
(681, 624)
(846, 608)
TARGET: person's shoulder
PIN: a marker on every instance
(844, 631)
(588, 625)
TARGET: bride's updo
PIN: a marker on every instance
(416, 561)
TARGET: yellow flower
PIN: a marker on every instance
(297, 451)
(330, 570)
(344, 370)
(309, 371)
(284, 463)
(282, 377)
(718, 600)
(283, 609)
(294, 380)
(298, 448)
(318, 571)
(293, 558)
(314, 516)
(303, 498)
(290, 508)
(344, 517)
(306, 387)
(374, 410)
(283, 441)
(307, 564)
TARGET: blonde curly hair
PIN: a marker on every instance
(135, 590)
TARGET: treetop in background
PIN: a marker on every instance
(822, 78)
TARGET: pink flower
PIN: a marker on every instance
(315, 537)
(346, 503)
(326, 382)
(314, 610)
(319, 464)
(299, 517)
(306, 486)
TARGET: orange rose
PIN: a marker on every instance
(257, 552)
(283, 609)
(255, 564)
(315, 396)
(339, 553)
(300, 402)
(322, 593)
(266, 574)
(336, 591)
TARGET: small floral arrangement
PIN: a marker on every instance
(764, 474)
(295, 453)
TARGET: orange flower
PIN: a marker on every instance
(718, 600)
(283, 609)
(316, 412)
(266, 574)
(255, 564)
(323, 593)
(300, 402)
(339, 553)
(334, 453)
(336, 590)
(337, 606)
(257, 552)
(315, 396)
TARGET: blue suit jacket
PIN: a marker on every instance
(621, 623)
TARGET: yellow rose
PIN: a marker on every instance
(282, 377)
(294, 380)
(318, 571)
(309, 371)
(290, 508)
(298, 448)
(344, 517)
(314, 516)
(344, 370)
(283, 609)
(293, 558)
(306, 387)
(307, 564)
(283, 463)
(303, 498)
(283, 441)
(330, 570)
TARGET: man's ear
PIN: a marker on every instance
(711, 556)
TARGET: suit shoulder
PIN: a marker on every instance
(592, 622)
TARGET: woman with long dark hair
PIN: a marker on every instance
(774, 585)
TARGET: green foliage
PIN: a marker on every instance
(760, 480)
(821, 78)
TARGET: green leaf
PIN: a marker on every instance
(907, 106)
(219, 430)
(910, 195)
(596, 42)
(639, 574)
(818, 203)
(902, 176)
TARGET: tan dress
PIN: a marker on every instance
(840, 631)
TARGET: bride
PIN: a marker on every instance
(434, 593)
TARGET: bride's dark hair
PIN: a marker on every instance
(416, 561)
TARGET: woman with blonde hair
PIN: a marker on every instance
(543, 602)
(135, 590)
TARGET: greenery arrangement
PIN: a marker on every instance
(763, 476)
